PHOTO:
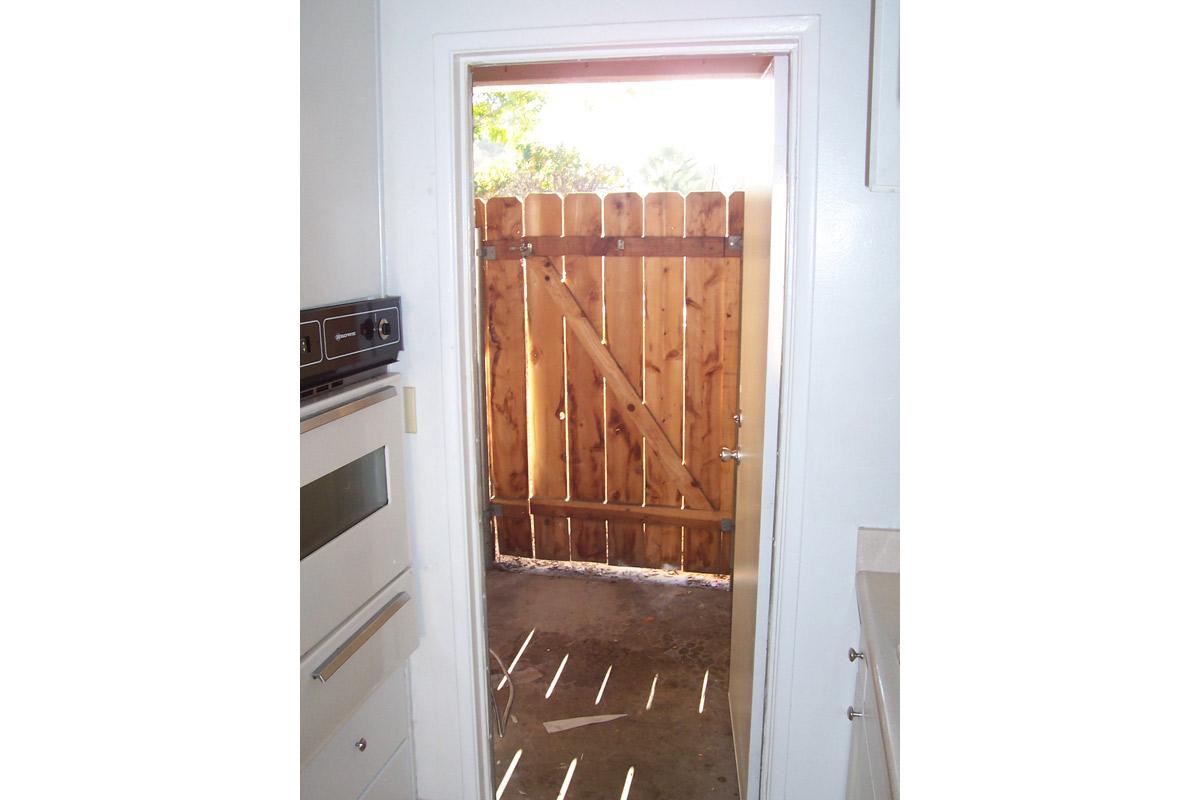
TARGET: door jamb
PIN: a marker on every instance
(789, 345)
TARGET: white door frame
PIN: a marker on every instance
(789, 337)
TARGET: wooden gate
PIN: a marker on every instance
(611, 348)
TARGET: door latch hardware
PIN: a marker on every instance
(739, 418)
(487, 252)
(526, 249)
(620, 245)
(734, 455)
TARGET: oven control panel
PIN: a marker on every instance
(340, 342)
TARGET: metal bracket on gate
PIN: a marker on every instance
(727, 525)
(735, 243)
(493, 510)
(487, 253)
(526, 249)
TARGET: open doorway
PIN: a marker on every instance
(611, 218)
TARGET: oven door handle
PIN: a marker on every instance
(337, 412)
(360, 637)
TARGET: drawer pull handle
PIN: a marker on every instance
(851, 713)
(854, 655)
(360, 745)
(348, 648)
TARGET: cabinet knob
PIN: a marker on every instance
(854, 655)
(851, 713)
(360, 745)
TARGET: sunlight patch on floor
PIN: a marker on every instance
(557, 675)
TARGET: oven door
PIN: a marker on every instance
(353, 540)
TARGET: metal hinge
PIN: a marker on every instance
(735, 243)
(726, 525)
(487, 253)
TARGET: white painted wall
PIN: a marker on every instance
(340, 253)
(850, 437)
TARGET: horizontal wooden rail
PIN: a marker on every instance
(658, 515)
(621, 246)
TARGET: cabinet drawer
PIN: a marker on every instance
(354, 660)
(396, 780)
(340, 770)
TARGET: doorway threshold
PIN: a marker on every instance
(612, 572)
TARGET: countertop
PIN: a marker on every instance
(879, 613)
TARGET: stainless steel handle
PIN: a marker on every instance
(851, 713)
(855, 655)
(360, 745)
(502, 721)
(346, 409)
(735, 454)
(360, 637)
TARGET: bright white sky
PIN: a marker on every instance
(624, 123)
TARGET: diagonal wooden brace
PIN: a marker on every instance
(545, 272)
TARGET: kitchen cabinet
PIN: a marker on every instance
(340, 250)
(868, 779)
(364, 748)
(395, 780)
(875, 712)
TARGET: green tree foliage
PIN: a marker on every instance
(504, 121)
(547, 169)
(670, 170)
(505, 117)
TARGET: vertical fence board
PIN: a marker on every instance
(585, 386)
(664, 371)
(504, 299)
(547, 404)
(623, 324)
(731, 270)
(705, 216)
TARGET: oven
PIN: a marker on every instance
(353, 539)
(358, 619)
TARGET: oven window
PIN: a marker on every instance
(335, 503)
